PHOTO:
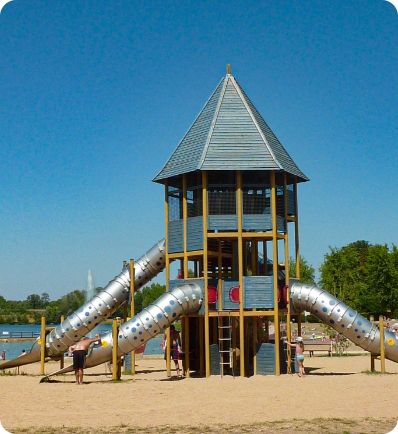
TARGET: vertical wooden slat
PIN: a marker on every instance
(184, 217)
(297, 241)
(206, 274)
(42, 345)
(275, 271)
(62, 361)
(167, 259)
(132, 307)
(114, 350)
(240, 271)
(286, 246)
(255, 339)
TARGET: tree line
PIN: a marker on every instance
(31, 310)
(362, 275)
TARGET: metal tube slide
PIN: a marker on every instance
(342, 318)
(144, 326)
(98, 309)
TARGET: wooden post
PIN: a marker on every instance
(382, 346)
(289, 332)
(275, 268)
(168, 352)
(205, 343)
(239, 202)
(287, 268)
(296, 230)
(114, 350)
(185, 341)
(62, 361)
(168, 261)
(255, 339)
(43, 345)
(203, 352)
(372, 359)
(132, 307)
(234, 340)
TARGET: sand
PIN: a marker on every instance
(338, 390)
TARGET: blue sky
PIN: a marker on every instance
(95, 96)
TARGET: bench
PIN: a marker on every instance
(312, 346)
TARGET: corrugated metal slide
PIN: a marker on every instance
(98, 309)
(343, 319)
(146, 325)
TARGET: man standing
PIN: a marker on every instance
(79, 353)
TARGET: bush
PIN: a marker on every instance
(310, 318)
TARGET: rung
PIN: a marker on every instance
(221, 313)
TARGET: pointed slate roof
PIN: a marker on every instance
(229, 134)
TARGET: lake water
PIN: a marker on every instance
(14, 349)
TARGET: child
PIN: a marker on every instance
(299, 345)
(175, 347)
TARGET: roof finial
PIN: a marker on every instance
(228, 69)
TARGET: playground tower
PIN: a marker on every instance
(230, 197)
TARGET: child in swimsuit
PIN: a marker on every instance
(299, 345)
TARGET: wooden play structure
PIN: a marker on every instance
(231, 216)
(231, 219)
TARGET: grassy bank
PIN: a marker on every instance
(298, 426)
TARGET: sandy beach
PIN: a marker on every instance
(337, 392)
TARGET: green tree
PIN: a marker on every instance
(138, 300)
(143, 298)
(37, 317)
(70, 302)
(342, 272)
(381, 272)
(307, 272)
(52, 314)
(45, 299)
(3, 302)
(34, 301)
(152, 293)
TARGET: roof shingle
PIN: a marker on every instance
(229, 134)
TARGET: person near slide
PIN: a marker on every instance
(79, 353)
(299, 345)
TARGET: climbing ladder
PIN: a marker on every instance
(288, 352)
(225, 341)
